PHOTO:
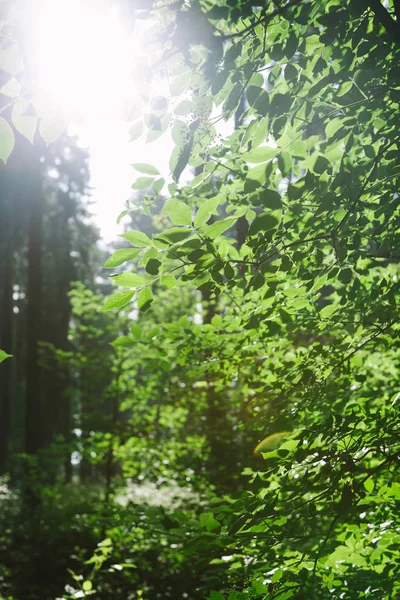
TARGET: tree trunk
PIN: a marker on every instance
(33, 409)
(6, 311)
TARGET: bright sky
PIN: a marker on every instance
(84, 55)
(112, 176)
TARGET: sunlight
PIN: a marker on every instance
(82, 56)
(83, 60)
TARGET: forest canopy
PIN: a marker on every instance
(210, 408)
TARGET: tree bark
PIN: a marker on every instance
(33, 409)
(6, 311)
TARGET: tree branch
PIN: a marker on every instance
(263, 20)
(384, 17)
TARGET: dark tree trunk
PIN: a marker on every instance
(6, 311)
(33, 409)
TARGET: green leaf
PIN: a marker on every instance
(259, 155)
(173, 235)
(128, 279)
(328, 311)
(12, 88)
(4, 355)
(144, 168)
(261, 133)
(158, 185)
(142, 183)
(216, 321)
(22, 120)
(345, 88)
(270, 199)
(333, 126)
(10, 59)
(153, 266)
(119, 257)
(136, 130)
(184, 108)
(264, 222)
(183, 155)
(123, 342)
(122, 215)
(178, 212)
(145, 299)
(136, 331)
(137, 238)
(205, 211)
(216, 596)
(207, 520)
(87, 585)
(285, 163)
(277, 575)
(217, 228)
(7, 140)
(369, 485)
(51, 127)
(168, 281)
(118, 300)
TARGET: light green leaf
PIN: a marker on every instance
(346, 87)
(7, 140)
(137, 238)
(277, 576)
(205, 211)
(217, 228)
(128, 279)
(87, 585)
(261, 133)
(145, 299)
(136, 331)
(51, 127)
(4, 355)
(118, 300)
(208, 521)
(136, 130)
(10, 59)
(123, 342)
(120, 256)
(144, 168)
(168, 281)
(184, 108)
(24, 122)
(142, 183)
(122, 215)
(173, 235)
(178, 212)
(369, 485)
(332, 127)
(180, 83)
(259, 155)
(328, 311)
(158, 185)
(12, 88)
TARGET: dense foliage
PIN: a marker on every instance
(258, 301)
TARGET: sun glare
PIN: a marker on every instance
(81, 58)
